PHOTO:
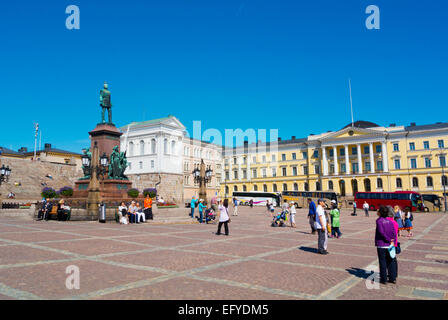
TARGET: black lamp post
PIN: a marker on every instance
(5, 172)
(99, 169)
(202, 176)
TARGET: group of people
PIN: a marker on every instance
(63, 210)
(135, 213)
(218, 207)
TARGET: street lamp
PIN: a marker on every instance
(99, 169)
(202, 176)
(5, 172)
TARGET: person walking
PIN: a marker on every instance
(292, 214)
(385, 238)
(366, 207)
(224, 218)
(321, 225)
(312, 215)
(335, 221)
(268, 206)
(235, 207)
(192, 206)
(251, 203)
(408, 217)
(354, 209)
(201, 208)
(398, 217)
(147, 203)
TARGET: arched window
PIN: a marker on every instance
(265, 188)
(296, 187)
(285, 187)
(255, 188)
(235, 188)
(398, 183)
(429, 182)
(367, 187)
(173, 147)
(318, 186)
(379, 183)
(131, 148)
(274, 187)
(142, 147)
(415, 182)
(244, 188)
(444, 181)
(165, 146)
(330, 185)
(153, 146)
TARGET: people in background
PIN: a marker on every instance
(292, 214)
(148, 207)
(224, 218)
(132, 212)
(251, 203)
(312, 215)
(63, 211)
(366, 207)
(47, 209)
(235, 207)
(335, 221)
(354, 209)
(193, 205)
(408, 217)
(140, 215)
(201, 207)
(321, 226)
(398, 217)
(122, 214)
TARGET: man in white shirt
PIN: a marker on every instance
(366, 207)
(321, 225)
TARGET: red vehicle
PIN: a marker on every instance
(404, 199)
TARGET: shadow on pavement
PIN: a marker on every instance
(360, 273)
(308, 249)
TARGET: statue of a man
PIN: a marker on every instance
(105, 103)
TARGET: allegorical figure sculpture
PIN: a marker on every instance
(117, 165)
(87, 170)
(105, 103)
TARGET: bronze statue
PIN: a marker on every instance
(117, 165)
(105, 103)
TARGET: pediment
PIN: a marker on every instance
(351, 132)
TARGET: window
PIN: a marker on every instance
(244, 188)
(429, 182)
(273, 158)
(284, 172)
(412, 146)
(307, 186)
(131, 148)
(396, 148)
(140, 165)
(318, 188)
(173, 147)
(265, 188)
(304, 155)
(426, 145)
(316, 169)
(285, 187)
(379, 183)
(244, 160)
(305, 170)
(378, 148)
(244, 174)
(413, 163)
(379, 165)
(397, 164)
(264, 159)
(255, 187)
(296, 187)
(274, 172)
(234, 161)
(316, 154)
(331, 153)
(331, 168)
(342, 152)
(254, 173)
(398, 183)
(235, 175)
(415, 182)
(152, 164)
(293, 156)
(343, 168)
(427, 163)
(441, 144)
(274, 187)
(227, 189)
(354, 150)
(142, 147)
(294, 171)
(444, 181)
(366, 150)
(283, 157)
(165, 146)
(227, 175)
(355, 167)
(235, 188)
(263, 171)
(330, 185)
(367, 166)
(442, 161)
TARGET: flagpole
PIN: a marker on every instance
(351, 102)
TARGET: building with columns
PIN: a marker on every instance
(358, 157)
(159, 151)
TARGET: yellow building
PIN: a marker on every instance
(359, 157)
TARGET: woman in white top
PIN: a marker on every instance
(292, 213)
(223, 217)
(122, 213)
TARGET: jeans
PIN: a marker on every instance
(388, 266)
(226, 227)
(367, 212)
(192, 212)
(200, 216)
(131, 218)
(335, 231)
(313, 228)
(322, 240)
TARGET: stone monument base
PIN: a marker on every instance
(110, 190)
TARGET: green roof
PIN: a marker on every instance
(146, 122)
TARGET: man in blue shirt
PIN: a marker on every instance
(192, 206)
(312, 215)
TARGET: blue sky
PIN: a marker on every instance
(266, 64)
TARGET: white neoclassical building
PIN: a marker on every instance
(160, 154)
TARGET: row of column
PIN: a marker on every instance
(347, 159)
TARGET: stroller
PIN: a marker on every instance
(279, 220)
(209, 215)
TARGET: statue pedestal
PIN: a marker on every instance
(107, 136)
(109, 190)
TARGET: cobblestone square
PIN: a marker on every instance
(188, 261)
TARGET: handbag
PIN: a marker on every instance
(398, 248)
(392, 251)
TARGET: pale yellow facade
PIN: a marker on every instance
(395, 158)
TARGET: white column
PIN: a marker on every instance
(359, 158)
(325, 161)
(372, 162)
(347, 161)
(248, 170)
(335, 160)
(385, 157)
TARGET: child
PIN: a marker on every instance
(408, 222)
(335, 214)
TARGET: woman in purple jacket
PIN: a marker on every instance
(385, 236)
